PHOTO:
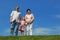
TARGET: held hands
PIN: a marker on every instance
(26, 23)
(31, 21)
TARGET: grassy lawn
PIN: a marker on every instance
(55, 37)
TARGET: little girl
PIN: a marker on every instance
(21, 27)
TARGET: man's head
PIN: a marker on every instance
(17, 8)
(28, 11)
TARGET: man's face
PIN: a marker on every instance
(17, 8)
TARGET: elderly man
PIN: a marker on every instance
(29, 18)
(14, 20)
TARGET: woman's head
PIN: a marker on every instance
(28, 11)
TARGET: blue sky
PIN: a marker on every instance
(46, 12)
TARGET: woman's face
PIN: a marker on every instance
(28, 12)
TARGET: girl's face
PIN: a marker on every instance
(23, 18)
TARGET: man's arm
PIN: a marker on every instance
(11, 16)
(19, 17)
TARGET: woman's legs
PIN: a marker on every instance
(30, 29)
(27, 29)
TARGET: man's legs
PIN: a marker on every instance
(12, 29)
(16, 29)
(31, 29)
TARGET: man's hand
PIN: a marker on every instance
(10, 19)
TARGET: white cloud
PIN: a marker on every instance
(41, 31)
(57, 28)
(7, 32)
(57, 16)
(46, 31)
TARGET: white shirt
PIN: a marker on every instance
(15, 15)
(29, 18)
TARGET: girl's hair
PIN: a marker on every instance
(22, 18)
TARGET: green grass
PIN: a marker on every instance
(55, 37)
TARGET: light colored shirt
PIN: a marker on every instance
(29, 18)
(15, 16)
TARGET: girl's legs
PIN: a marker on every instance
(22, 33)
